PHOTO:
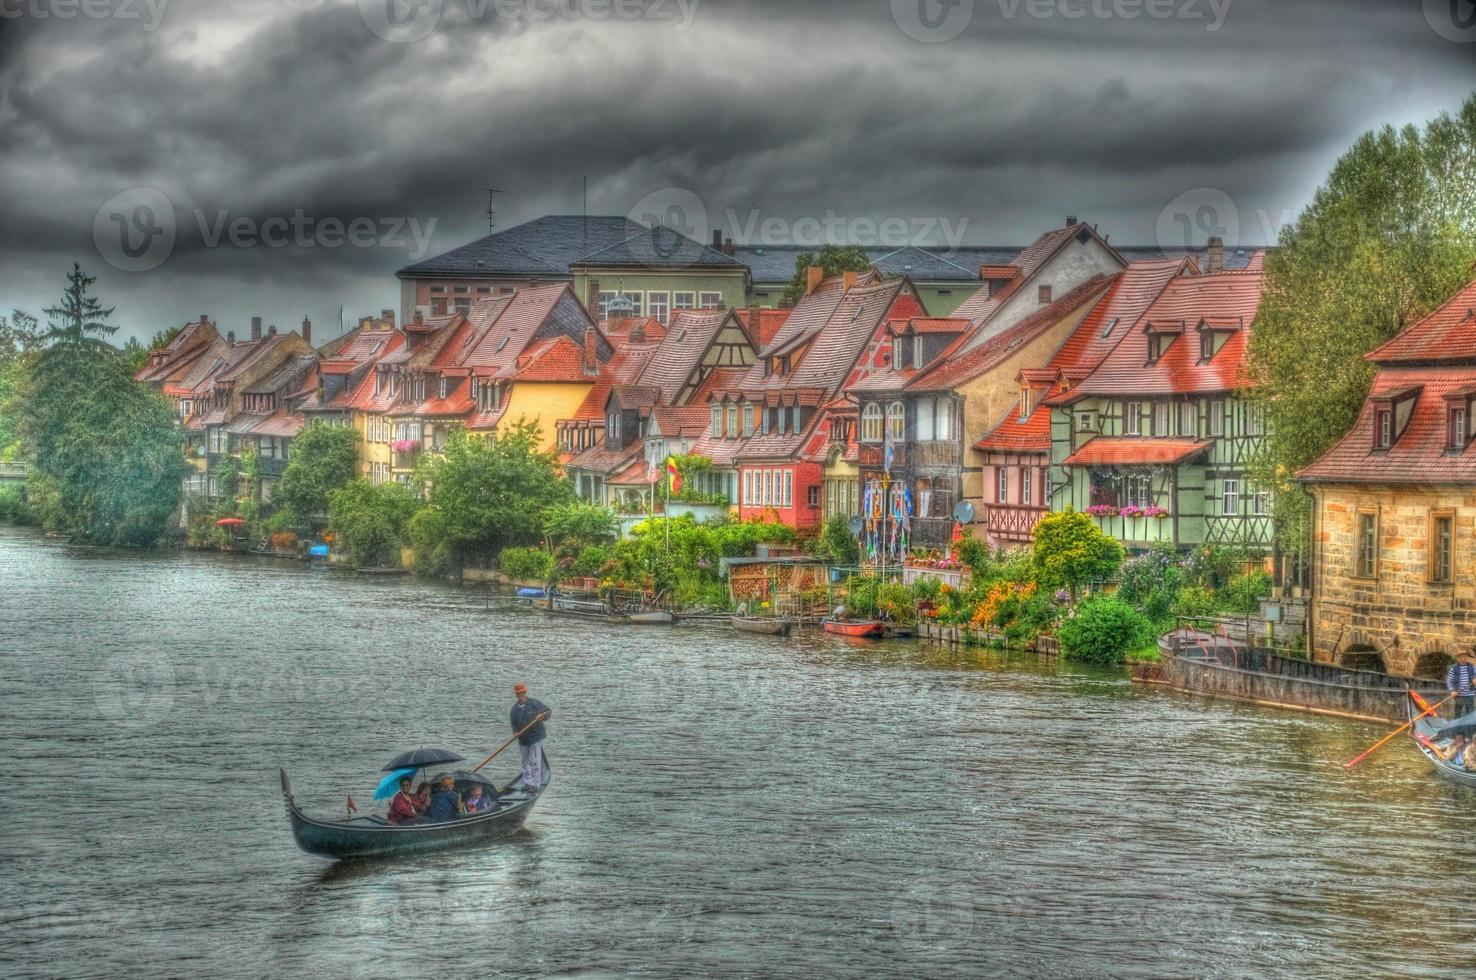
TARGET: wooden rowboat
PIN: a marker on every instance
(652, 617)
(373, 836)
(1431, 728)
(858, 627)
(762, 624)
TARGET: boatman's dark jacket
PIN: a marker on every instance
(524, 713)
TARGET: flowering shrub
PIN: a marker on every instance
(1101, 510)
(405, 446)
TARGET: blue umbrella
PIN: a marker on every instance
(390, 785)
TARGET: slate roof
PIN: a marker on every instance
(658, 248)
(1224, 296)
(545, 246)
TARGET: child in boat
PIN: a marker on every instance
(475, 802)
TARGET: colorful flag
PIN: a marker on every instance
(673, 475)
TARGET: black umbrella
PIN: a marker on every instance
(422, 757)
(462, 776)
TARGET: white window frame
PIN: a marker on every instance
(1002, 485)
(789, 488)
(896, 422)
(1027, 489)
(708, 300)
(658, 302)
(873, 420)
(1230, 497)
(925, 420)
(684, 299)
(1132, 418)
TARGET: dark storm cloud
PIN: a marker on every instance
(295, 115)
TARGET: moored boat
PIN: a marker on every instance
(652, 617)
(762, 624)
(854, 627)
(1433, 730)
(374, 836)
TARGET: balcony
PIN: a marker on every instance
(271, 465)
(872, 455)
(942, 455)
(1006, 522)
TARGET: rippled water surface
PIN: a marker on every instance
(721, 804)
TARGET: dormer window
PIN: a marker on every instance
(1456, 428)
(1158, 345)
(1025, 406)
(717, 421)
(476, 389)
(443, 386)
(1383, 428)
(612, 427)
(897, 349)
(917, 350)
(1206, 345)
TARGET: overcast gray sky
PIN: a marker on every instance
(214, 157)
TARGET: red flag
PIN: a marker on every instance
(673, 474)
(351, 807)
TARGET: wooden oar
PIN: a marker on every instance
(1429, 710)
(508, 742)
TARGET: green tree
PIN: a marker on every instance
(485, 495)
(107, 465)
(837, 541)
(1388, 237)
(1070, 551)
(324, 458)
(370, 521)
(20, 341)
(834, 259)
(577, 524)
(1103, 630)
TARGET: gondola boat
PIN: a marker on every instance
(856, 627)
(1434, 728)
(762, 624)
(374, 836)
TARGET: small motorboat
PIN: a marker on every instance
(762, 624)
(1431, 731)
(527, 592)
(854, 627)
(374, 836)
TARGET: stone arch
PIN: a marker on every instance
(1433, 664)
(1363, 658)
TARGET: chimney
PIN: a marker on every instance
(388, 316)
(231, 338)
(638, 331)
(1070, 220)
(255, 328)
(727, 246)
(717, 239)
(420, 316)
(1215, 261)
(813, 277)
(592, 299)
(272, 330)
(849, 278)
(204, 317)
(307, 330)
(753, 325)
(365, 322)
(591, 350)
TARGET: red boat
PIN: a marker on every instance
(856, 627)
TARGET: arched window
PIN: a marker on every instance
(871, 423)
(896, 422)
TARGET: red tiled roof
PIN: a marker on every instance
(620, 331)
(1105, 451)
(557, 360)
(688, 337)
(769, 323)
(1419, 454)
(1013, 434)
(938, 324)
(1446, 335)
(954, 369)
(1221, 295)
(998, 271)
(636, 473)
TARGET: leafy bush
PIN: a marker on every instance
(526, 564)
(928, 588)
(838, 543)
(1070, 551)
(370, 520)
(590, 561)
(894, 603)
(1103, 630)
(1195, 601)
(1244, 593)
(13, 506)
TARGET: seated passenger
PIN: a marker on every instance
(405, 807)
(476, 802)
(445, 802)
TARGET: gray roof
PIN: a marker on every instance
(546, 247)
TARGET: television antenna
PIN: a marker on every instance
(492, 208)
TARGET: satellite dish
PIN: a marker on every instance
(855, 524)
(964, 512)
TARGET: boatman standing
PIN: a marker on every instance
(1460, 680)
(529, 711)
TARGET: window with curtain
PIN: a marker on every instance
(871, 423)
(925, 428)
(896, 422)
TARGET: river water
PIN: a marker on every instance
(721, 805)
